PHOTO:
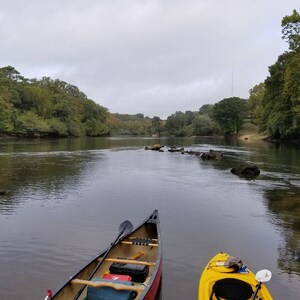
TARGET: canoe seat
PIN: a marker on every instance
(231, 289)
(106, 292)
(129, 261)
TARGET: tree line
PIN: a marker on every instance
(47, 107)
(54, 108)
(275, 103)
(223, 118)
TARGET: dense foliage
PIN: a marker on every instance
(46, 107)
(124, 124)
(230, 114)
(275, 104)
(226, 117)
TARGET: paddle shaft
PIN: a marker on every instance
(99, 264)
(256, 291)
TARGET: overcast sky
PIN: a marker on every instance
(154, 57)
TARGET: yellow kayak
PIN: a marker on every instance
(225, 277)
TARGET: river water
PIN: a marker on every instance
(64, 200)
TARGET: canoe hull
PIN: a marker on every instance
(154, 289)
(149, 230)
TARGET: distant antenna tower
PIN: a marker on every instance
(232, 82)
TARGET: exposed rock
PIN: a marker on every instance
(3, 192)
(175, 149)
(212, 155)
(246, 170)
(191, 152)
(155, 147)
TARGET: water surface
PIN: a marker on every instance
(66, 199)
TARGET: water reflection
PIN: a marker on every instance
(284, 206)
(41, 174)
(280, 181)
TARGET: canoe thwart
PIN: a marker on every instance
(131, 243)
(134, 237)
(116, 286)
(141, 242)
(129, 261)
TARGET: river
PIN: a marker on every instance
(64, 200)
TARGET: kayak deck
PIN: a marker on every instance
(216, 271)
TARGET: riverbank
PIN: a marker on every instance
(253, 136)
(250, 132)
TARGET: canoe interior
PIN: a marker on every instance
(148, 230)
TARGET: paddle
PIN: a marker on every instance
(261, 276)
(124, 229)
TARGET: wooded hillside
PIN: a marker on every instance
(47, 107)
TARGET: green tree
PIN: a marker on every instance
(156, 125)
(291, 92)
(10, 80)
(204, 125)
(95, 128)
(6, 112)
(36, 99)
(291, 30)
(206, 109)
(12, 74)
(125, 124)
(189, 117)
(277, 107)
(256, 98)
(275, 104)
(175, 123)
(30, 124)
(30, 107)
(57, 128)
(230, 113)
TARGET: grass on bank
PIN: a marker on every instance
(250, 132)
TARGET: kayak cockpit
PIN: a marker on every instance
(231, 288)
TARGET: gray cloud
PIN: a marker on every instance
(152, 57)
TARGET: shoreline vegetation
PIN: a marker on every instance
(52, 108)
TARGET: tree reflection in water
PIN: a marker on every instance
(285, 205)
